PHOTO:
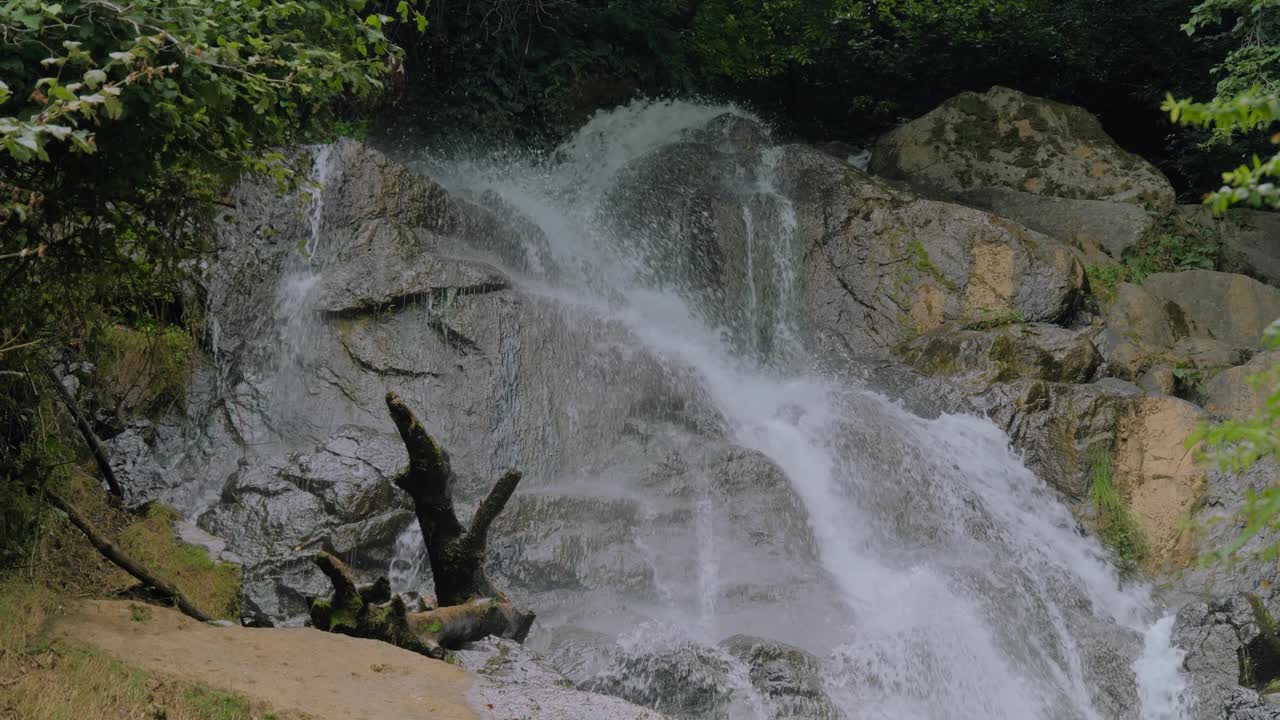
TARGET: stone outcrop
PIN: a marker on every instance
(981, 358)
(1241, 392)
(1195, 319)
(882, 266)
(1100, 229)
(337, 499)
(1248, 238)
(1005, 139)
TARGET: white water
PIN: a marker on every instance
(967, 591)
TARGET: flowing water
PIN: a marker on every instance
(946, 580)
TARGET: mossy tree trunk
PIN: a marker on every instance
(469, 606)
(456, 554)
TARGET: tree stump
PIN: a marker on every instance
(470, 607)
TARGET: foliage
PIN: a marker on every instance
(121, 126)
(1248, 94)
(1185, 248)
(142, 370)
(123, 123)
(995, 318)
(1252, 64)
(1117, 529)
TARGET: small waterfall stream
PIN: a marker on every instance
(947, 581)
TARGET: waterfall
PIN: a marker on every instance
(703, 482)
(965, 590)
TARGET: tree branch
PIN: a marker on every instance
(488, 511)
(90, 438)
(124, 562)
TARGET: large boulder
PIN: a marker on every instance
(1241, 392)
(1005, 139)
(881, 266)
(338, 498)
(1248, 238)
(1101, 230)
(1232, 308)
(1198, 319)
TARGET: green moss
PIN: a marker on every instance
(994, 319)
(145, 369)
(1103, 280)
(921, 262)
(1117, 529)
(213, 586)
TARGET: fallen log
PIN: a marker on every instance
(123, 561)
(359, 611)
(470, 607)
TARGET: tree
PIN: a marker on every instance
(121, 125)
(471, 608)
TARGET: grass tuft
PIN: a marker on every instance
(1117, 529)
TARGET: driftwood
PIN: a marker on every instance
(124, 562)
(370, 611)
(90, 437)
(471, 608)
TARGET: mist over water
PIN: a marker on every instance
(932, 574)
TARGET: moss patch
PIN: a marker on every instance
(212, 586)
(921, 262)
(994, 319)
(142, 370)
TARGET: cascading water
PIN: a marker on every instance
(746, 492)
(965, 589)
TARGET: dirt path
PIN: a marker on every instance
(322, 675)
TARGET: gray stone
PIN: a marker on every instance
(789, 678)
(1194, 319)
(1005, 139)
(1100, 229)
(1233, 393)
(1249, 238)
(882, 266)
(516, 684)
(1159, 380)
(1232, 308)
(1056, 424)
(981, 358)
(338, 498)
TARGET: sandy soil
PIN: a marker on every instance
(297, 671)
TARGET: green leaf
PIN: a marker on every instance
(94, 78)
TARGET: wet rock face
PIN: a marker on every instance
(1005, 139)
(515, 684)
(882, 266)
(1054, 425)
(787, 677)
(338, 498)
